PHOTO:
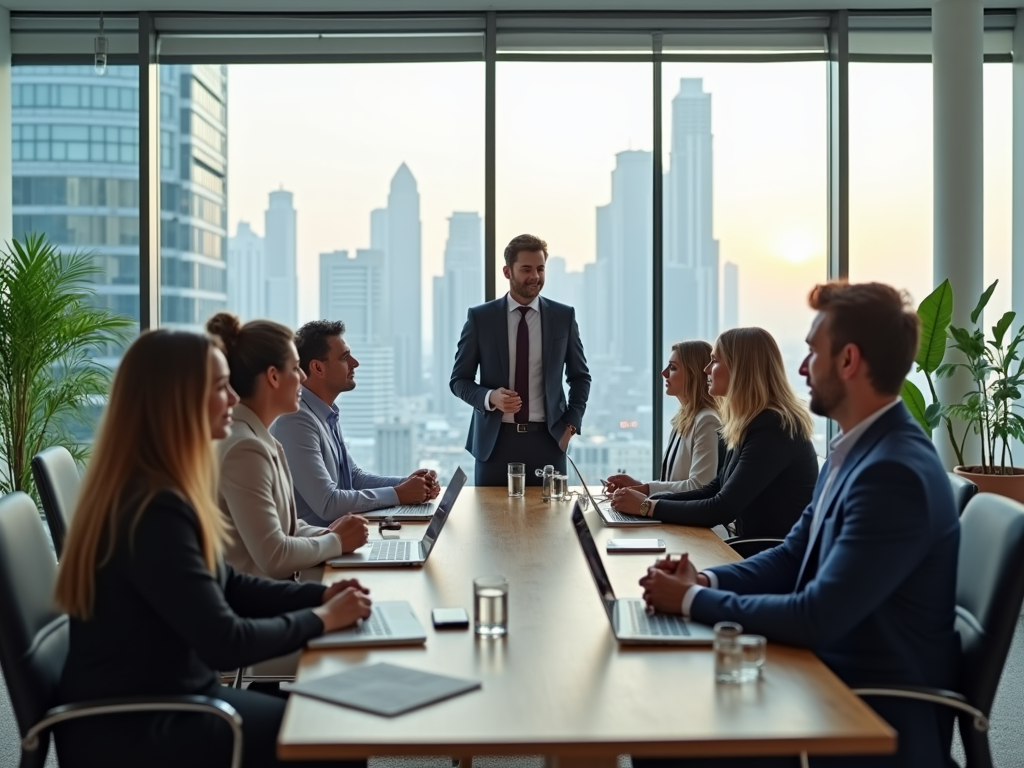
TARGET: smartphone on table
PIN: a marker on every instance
(616, 546)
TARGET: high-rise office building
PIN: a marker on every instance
(352, 290)
(402, 280)
(730, 296)
(280, 258)
(459, 288)
(624, 245)
(395, 448)
(691, 252)
(247, 276)
(75, 167)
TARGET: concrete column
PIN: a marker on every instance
(6, 171)
(1017, 269)
(957, 81)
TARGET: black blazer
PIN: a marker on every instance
(483, 346)
(163, 624)
(764, 484)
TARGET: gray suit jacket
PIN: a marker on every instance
(484, 346)
(314, 463)
(255, 493)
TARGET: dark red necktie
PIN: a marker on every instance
(523, 367)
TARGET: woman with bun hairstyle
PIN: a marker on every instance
(153, 609)
(255, 491)
(691, 459)
(768, 475)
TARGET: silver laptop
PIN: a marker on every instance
(410, 512)
(631, 624)
(611, 517)
(389, 623)
(391, 552)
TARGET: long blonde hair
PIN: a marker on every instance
(155, 437)
(757, 382)
(693, 359)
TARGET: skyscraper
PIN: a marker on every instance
(459, 288)
(730, 296)
(394, 448)
(352, 290)
(691, 252)
(403, 275)
(75, 167)
(280, 259)
(247, 277)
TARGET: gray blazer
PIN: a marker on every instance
(255, 493)
(314, 462)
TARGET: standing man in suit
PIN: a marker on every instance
(867, 577)
(521, 343)
(328, 483)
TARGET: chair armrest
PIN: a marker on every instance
(750, 547)
(200, 704)
(950, 699)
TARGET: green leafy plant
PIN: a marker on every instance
(50, 332)
(991, 408)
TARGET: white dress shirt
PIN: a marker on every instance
(536, 390)
(838, 450)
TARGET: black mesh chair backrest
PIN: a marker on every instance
(33, 634)
(58, 481)
(963, 491)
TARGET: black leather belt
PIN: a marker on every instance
(530, 426)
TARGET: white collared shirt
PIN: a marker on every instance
(839, 449)
(536, 389)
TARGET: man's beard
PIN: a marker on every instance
(827, 395)
(522, 289)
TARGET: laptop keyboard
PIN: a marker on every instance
(391, 550)
(619, 517)
(658, 625)
(409, 509)
(375, 626)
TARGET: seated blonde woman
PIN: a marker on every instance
(691, 459)
(255, 488)
(769, 472)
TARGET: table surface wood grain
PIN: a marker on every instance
(559, 684)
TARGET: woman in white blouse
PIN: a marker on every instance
(691, 459)
(255, 485)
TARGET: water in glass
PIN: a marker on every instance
(728, 652)
(491, 617)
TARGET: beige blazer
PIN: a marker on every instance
(256, 494)
(691, 461)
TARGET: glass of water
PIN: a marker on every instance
(560, 487)
(490, 606)
(728, 652)
(752, 652)
(516, 480)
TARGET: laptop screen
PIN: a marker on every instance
(439, 517)
(586, 488)
(593, 558)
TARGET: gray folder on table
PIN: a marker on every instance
(384, 689)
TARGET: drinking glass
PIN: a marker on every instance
(728, 652)
(752, 652)
(516, 480)
(560, 488)
(490, 605)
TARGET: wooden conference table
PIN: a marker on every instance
(559, 684)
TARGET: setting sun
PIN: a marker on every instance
(798, 247)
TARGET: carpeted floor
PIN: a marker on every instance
(1007, 727)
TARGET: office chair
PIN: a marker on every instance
(58, 482)
(749, 547)
(963, 491)
(989, 594)
(34, 643)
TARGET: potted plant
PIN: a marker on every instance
(51, 331)
(991, 408)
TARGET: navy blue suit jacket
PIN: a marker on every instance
(484, 346)
(876, 600)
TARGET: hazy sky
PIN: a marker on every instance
(335, 134)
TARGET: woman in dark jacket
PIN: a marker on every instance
(153, 608)
(769, 472)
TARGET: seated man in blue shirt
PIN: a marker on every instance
(867, 577)
(328, 483)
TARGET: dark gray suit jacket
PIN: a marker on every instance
(484, 346)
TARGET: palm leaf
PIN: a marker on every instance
(936, 312)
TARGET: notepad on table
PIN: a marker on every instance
(384, 689)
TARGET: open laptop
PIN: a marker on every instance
(389, 623)
(410, 512)
(389, 552)
(611, 517)
(631, 624)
